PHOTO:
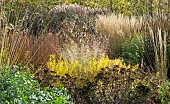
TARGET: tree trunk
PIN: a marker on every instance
(168, 10)
(150, 8)
(111, 8)
(159, 8)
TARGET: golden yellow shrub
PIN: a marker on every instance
(86, 71)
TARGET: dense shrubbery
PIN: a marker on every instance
(18, 87)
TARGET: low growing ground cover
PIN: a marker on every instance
(19, 87)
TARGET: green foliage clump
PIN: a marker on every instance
(18, 87)
(164, 93)
(133, 49)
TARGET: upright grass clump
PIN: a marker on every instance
(14, 47)
(17, 44)
(43, 47)
(20, 47)
(83, 52)
(117, 28)
(151, 26)
(160, 51)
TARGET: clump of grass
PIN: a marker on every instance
(42, 47)
(114, 25)
(117, 28)
(160, 51)
(20, 47)
(18, 43)
(14, 46)
(80, 53)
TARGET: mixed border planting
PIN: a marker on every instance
(84, 52)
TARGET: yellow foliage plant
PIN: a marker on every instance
(86, 71)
